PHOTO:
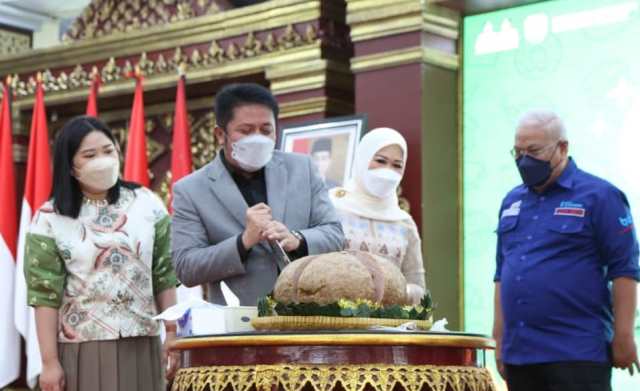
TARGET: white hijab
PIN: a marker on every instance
(354, 198)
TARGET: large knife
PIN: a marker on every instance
(282, 259)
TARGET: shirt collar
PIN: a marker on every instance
(566, 178)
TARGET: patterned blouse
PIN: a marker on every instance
(398, 241)
(103, 269)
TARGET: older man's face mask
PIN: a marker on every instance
(533, 171)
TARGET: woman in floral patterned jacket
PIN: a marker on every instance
(98, 269)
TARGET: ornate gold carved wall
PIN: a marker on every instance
(299, 48)
(252, 45)
(106, 17)
(14, 42)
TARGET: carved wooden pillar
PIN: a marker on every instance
(310, 89)
(406, 77)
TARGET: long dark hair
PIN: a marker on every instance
(66, 193)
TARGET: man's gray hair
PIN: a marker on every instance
(546, 120)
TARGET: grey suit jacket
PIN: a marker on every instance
(209, 213)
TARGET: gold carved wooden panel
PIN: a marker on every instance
(13, 42)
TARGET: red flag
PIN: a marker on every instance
(9, 336)
(135, 165)
(181, 163)
(37, 192)
(92, 103)
(9, 221)
(38, 182)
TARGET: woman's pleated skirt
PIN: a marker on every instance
(126, 364)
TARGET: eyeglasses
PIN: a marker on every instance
(533, 152)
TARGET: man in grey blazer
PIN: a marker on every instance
(229, 214)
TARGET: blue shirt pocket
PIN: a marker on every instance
(507, 232)
(507, 224)
(566, 225)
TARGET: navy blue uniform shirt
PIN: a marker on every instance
(557, 253)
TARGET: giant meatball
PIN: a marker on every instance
(351, 275)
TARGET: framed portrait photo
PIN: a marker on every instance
(331, 143)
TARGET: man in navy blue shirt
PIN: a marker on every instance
(567, 269)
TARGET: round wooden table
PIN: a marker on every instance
(327, 361)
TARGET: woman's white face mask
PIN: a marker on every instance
(99, 174)
(253, 152)
(381, 182)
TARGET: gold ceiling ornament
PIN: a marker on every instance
(31, 85)
(13, 81)
(196, 58)
(127, 68)
(145, 65)
(18, 86)
(106, 17)
(78, 77)
(184, 11)
(289, 38)
(232, 52)
(111, 71)
(161, 64)
(310, 34)
(62, 81)
(354, 377)
(270, 43)
(215, 54)
(178, 58)
(48, 81)
(252, 46)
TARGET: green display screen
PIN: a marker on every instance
(580, 58)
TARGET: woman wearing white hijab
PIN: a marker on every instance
(368, 207)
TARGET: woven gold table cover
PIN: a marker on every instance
(292, 377)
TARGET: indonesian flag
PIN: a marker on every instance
(136, 165)
(92, 102)
(181, 161)
(9, 336)
(36, 192)
(181, 164)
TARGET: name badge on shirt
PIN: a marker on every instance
(575, 212)
(513, 210)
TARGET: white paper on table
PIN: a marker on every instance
(408, 327)
(440, 325)
(176, 311)
(230, 297)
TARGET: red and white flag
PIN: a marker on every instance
(181, 163)
(136, 167)
(9, 336)
(37, 190)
